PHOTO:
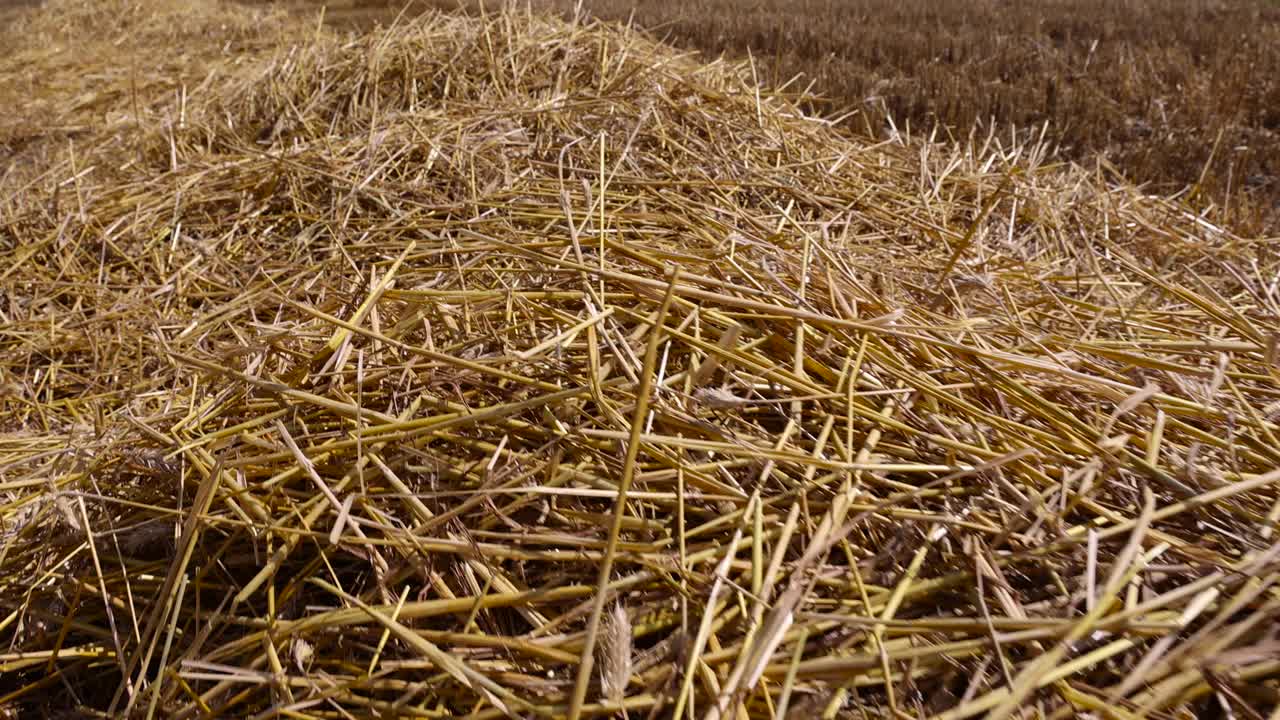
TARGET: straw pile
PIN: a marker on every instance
(506, 366)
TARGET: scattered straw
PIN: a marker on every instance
(348, 376)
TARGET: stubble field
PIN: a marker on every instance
(1180, 96)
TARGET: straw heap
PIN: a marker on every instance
(506, 366)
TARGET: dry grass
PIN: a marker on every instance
(510, 367)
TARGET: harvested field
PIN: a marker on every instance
(1181, 94)
(513, 367)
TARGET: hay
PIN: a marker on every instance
(402, 374)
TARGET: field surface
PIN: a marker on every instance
(1171, 93)
(1175, 94)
